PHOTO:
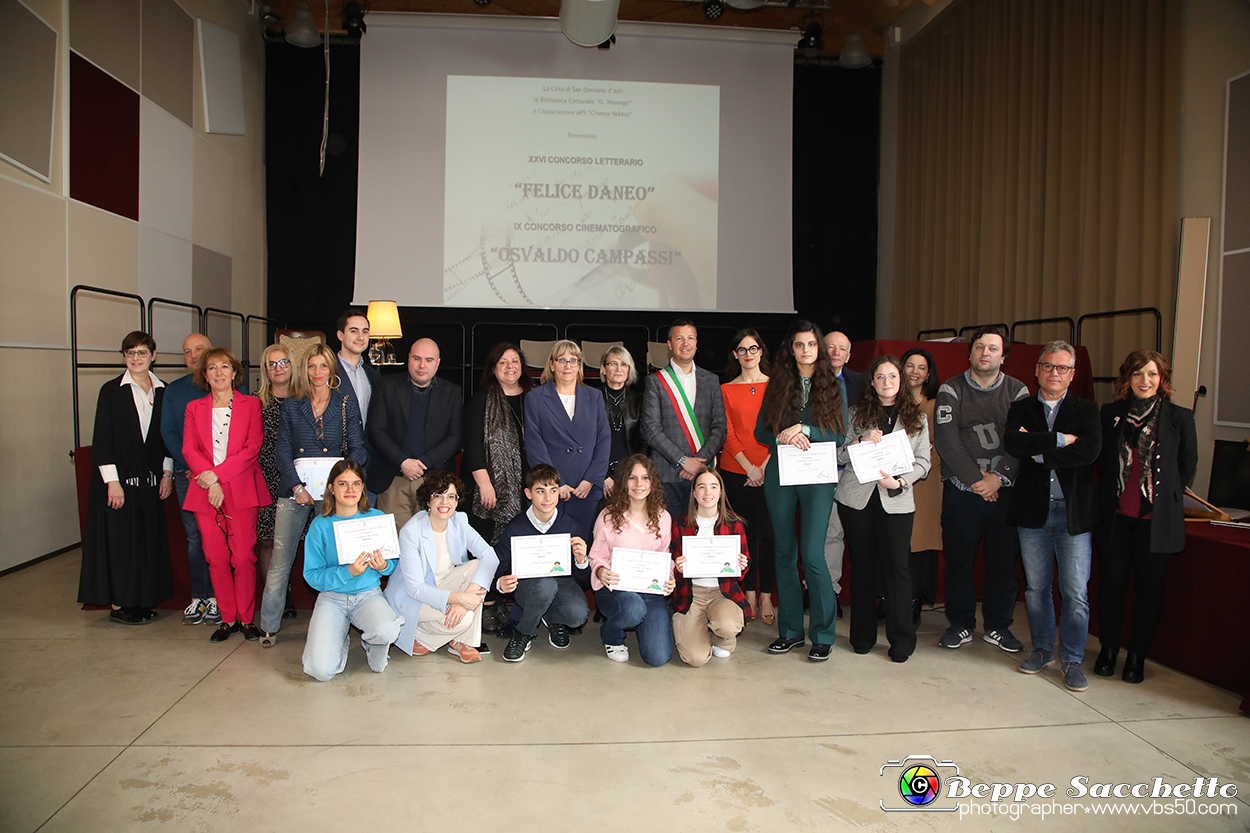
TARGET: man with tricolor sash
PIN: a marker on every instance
(683, 417)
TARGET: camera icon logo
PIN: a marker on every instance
(918, 783)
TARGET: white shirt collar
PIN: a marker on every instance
(540, 525)
(127, 379)
(681, 372)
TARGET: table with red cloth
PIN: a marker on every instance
(1208, 590)
(951, 358)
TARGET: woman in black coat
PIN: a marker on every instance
(1149, 452)
(623, 403)
(125, 552)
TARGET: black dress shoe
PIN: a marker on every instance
(783, 644)
(223, 632)
(490, 623)
(900, 657)
(130, 616)
(819, 652)
(1104, 666)
(1134, 668)
(483, 649)
(861, 650)
(250, 632)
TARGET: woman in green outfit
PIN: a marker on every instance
(802, 405)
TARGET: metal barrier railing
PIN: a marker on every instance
(920, 335)
(169, 302)
(73, 342)
(1062, 319)
(974, 327)
(246, 358)
(1092, 316)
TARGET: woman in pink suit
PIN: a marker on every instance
(221, 442)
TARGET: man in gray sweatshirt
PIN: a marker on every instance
(977, 473)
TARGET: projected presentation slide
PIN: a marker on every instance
(580, 193)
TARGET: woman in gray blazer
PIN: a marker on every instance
(877, 515)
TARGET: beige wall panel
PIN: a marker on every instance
(32, 267)
(1215, 46)
(29, 56)
(166, 171)
(106, 32)
(36, 451)
(103, 252)
(50, 11)
(213, 213)
(211, 276)
(168, 55)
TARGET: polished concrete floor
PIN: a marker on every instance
(105, 727)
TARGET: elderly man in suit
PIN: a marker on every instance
(683, 417)
(415, 426)
(1057, 436)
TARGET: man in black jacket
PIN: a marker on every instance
(1056, 436)
(415, 426)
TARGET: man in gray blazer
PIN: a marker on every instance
(683, 417)
(415, 426)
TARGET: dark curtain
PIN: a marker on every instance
(311, 219)
(837, 141)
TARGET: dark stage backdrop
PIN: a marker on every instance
(312, 219)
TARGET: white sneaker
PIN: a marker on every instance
(718, 651)
(617, 653)
(194, 614)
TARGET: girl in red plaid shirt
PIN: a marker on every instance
(708, 613)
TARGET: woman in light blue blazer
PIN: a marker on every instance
(438, 588)
(877, 515)
(566, 426)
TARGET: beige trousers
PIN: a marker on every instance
(432, 633)
(711, 620)
(400, 499)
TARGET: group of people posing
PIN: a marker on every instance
(619, 469)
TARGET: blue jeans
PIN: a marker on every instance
(197, 564)
(325, 652)
(1041, 549)
(647, 613)
(559, 600)
(289, 518)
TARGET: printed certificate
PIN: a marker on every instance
(641, 571)
(353, 537)
(535, 556)
(819, 464)
(713, 556)
(893, 455)
(315, 472)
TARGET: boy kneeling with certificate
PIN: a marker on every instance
(543, 562)
(709, 542)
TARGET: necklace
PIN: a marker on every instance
(616, 409)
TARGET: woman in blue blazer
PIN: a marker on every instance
(438, 588)
(318, 422)
(566, 426)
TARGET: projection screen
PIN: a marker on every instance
(503, 166)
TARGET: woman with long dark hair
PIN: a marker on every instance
(743, 461)
(494, 456)
(802, 405)
(877, 516)
(1149, 452)
(920, 380)
(634, 518)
